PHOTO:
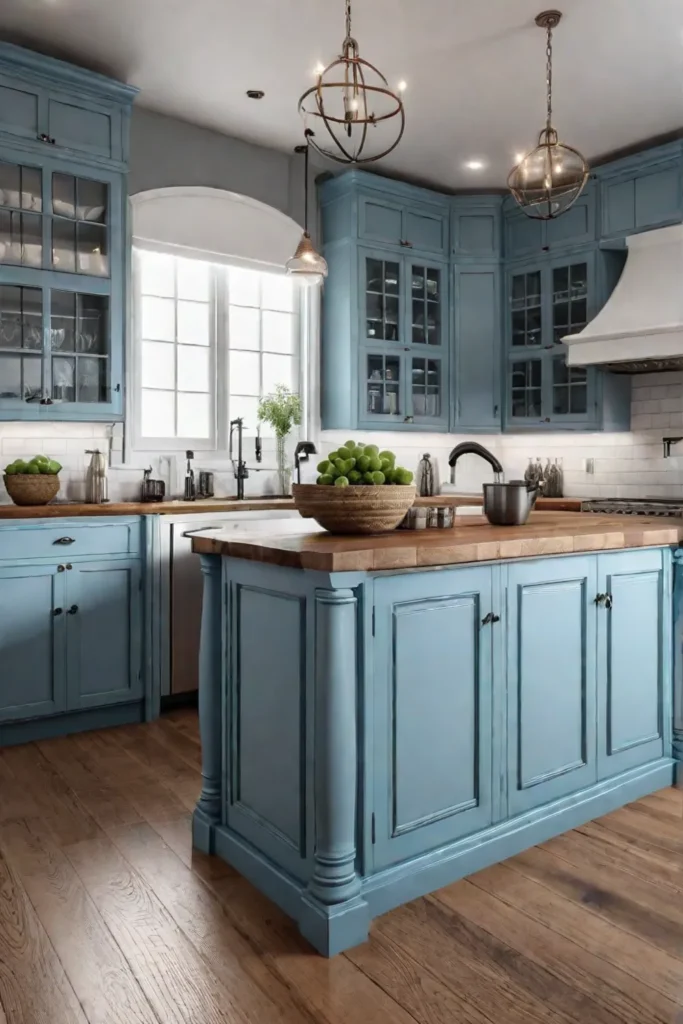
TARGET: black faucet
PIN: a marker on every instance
(240, 467)
(302, 453)
(473, 448)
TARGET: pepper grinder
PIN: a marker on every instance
(190, 489)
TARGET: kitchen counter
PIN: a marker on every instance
(369, 737)
(472, 539)
(180, 507)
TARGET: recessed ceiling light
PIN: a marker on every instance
(255, 94)
(402, 85)
(474, 165)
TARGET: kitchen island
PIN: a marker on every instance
(383, 715)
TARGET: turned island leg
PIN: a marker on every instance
(334, 917)
(208, 810)
(678, 667)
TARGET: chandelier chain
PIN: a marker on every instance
(348, 19)
(549, 77)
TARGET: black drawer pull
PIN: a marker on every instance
(44, 137)
(61, 568)
(73, 609)
(64, 540)
(57, 611)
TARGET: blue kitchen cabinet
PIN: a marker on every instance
(477, 364)
(103, 637)
(551, 635)
(641, 192)
(634, 641)
(526, 237)
(422, 227)
(432, 697)
(476, 223)
(32, 642)
(63, 208)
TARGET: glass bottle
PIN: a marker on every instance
(559, 489)
(547, 480)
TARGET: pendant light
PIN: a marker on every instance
(549, 180)
(307, 265)
(355, 116)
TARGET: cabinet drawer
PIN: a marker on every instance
(64, 540)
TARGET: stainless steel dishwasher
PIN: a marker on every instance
(181, 584)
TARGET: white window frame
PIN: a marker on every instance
(266, 245)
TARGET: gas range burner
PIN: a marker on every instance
(635, 506)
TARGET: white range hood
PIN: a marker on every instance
(640, 329)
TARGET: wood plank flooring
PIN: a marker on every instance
(108, 917)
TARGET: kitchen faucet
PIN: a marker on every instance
(239, 467)
(473, 448)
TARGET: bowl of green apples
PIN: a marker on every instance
(33, 482)
(359, 489)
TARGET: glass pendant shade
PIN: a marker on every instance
(307, 264)
(351, 113)
(549, 179)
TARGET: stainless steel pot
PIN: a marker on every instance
(509, 504)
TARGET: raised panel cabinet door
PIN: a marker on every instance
(618, 206)
(633, 657)
(84, 128)
(551, 657)
(476, 233)
(658, 197)
(380, 221)
(432, 693)
(477, 347)
(19, 108)
(425, 230)
(104, 633)
(576, 226)
(523, 235)
(32, 642)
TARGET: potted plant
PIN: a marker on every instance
(282, 410)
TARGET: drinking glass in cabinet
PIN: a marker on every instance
(426, 306)
(63, 379)
(63, 321)
(570, 303)
(381, 300)
(79, 325)
(570, 389)
(525, 304)
(526, 388)
(21, 317)
(79, 225)
(91, 382)
(21, 377)
(383, 384)
(426, 387)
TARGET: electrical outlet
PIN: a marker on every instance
(589, 466)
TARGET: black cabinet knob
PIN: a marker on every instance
(73, 609)
(57, 611)
(61, 568)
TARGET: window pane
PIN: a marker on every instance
(158, 365)
(244, 287)
(244, 326)
(193, 280)
(64, 379)
(93, 334)
(244, 373)
(158, 319)
(64, 195)
(193, 323)
(92, 249)
(156, 273)
(277, 370)
(158, 414)
(193, 368)
(247, 408)
(193, 415)
(92, 201)
(277, 292)
(63, 321)
(278, 332)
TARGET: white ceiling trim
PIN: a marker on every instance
(224, 225)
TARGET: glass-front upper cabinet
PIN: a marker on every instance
(545, 305)
(61, 292)
(383, 293)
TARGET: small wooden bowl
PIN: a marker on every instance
(354, 509)
(31, 488)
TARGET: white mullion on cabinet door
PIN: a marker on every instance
(175, 348)
(219, 363)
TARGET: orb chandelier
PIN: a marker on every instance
(307, 265)
(354, 116)
(551, 177)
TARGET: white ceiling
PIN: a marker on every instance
(474, 68)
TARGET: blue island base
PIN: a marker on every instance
(368, 738)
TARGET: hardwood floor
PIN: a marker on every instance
(108, 917)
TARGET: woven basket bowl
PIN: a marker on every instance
(358, 509)
(31, 488)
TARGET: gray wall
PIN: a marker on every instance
(165, 151)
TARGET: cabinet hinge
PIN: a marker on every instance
(372, 829)
(373, 620)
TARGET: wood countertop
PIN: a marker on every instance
(207, 505)
(473, 539)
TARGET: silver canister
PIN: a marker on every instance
(96, 486)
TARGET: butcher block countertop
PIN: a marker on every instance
(473, 539)
(207, 505)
